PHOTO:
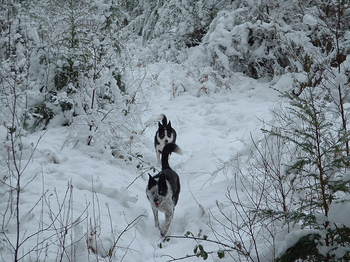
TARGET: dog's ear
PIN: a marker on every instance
(162, 187)
(151, 182)
(160, 126)
(169, 125)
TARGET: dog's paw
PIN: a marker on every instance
(166, 239)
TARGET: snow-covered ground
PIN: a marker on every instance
(80, 202)
(97, 191)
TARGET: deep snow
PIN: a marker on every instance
(211, 130)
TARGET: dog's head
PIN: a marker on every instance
(157, 189)
(165, 130)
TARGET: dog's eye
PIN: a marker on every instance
(161, 133)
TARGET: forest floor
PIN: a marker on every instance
(212, 129)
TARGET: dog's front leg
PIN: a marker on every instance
(155, 214)
(158, 156)
(168, 218)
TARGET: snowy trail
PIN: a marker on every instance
(211, 130)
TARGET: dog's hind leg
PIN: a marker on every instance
(165, 228)
(155, 214)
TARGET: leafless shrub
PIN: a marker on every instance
(105, 245)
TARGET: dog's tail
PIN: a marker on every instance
(171, 147)
(164, 120)
(167, 150)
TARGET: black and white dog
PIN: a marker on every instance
(164, 135)
(163, 190)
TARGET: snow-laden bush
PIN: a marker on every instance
(64, 63)
(237, 41)
(262, 39)
(184, 21)
(252, 48)
(171, 26)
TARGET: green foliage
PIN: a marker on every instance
(120, 83)
(221, 254)
(316, 127)
(37, 117)
(200, 252)
(305, 249)
(319, 170)
(194, 38)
